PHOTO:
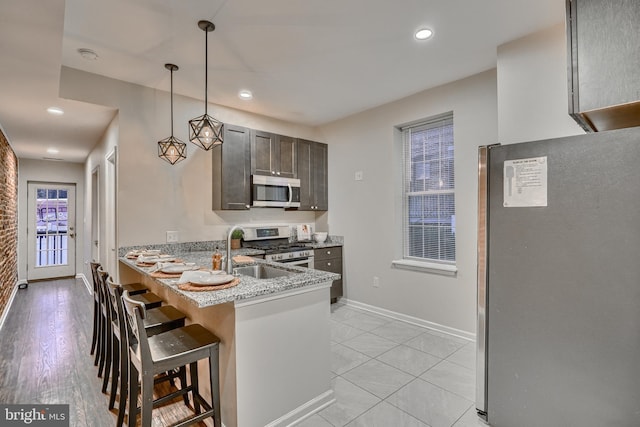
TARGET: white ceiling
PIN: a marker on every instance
(307, 62)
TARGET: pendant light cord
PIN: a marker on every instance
(206, 61)
(172, 102)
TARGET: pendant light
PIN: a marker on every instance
(172, 149)
(205, 131)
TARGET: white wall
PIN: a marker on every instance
(56, 172)
(96, 160)
(524, 99)
(532, 88)
(366, 212)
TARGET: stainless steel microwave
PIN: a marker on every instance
(275, 191)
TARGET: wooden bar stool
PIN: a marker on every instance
(149, 299)
(103, 323)
(149, 356)
(158, 320)
(96, 343)
(96, 308)
(98, 340)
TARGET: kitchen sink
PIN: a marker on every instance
(260, 271)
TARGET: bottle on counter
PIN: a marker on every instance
(216, 260)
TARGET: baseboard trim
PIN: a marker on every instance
(410, 319)
(304, 411)
(86, 282)
(5, 312)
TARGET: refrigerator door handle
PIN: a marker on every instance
(481, 339)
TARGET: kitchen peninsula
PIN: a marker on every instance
(275, 338)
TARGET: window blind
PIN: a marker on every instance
(429, 191)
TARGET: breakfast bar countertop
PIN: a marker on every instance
(249, 287)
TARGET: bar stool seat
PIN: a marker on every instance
(149, 356)
(163, 319)
(149, 299)
(135, 288)
(159, 320)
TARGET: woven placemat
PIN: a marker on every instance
(162, 275)
(243, 259)
(199, 288)
(147, 264)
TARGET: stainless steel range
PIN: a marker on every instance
(275, 241)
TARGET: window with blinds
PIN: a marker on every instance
(429, 191)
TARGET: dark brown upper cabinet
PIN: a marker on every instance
(604, 63)
(273, 154)
(313, 172)
(232, 170)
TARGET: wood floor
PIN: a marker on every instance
(44, 355)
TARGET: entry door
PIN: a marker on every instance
(51, 231)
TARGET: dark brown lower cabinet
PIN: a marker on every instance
(330, 259)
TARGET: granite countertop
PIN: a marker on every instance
(316, 245)
(248, 287)
(210, 246)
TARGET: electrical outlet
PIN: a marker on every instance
(376, 282)
(359, 176)
(173, 237)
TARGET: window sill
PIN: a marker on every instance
(427, 267)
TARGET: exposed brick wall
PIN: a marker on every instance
(8, 221)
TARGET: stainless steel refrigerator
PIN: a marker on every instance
(559, 282)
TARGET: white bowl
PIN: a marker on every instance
(320, 236)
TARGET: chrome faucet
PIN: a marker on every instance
(229, 260)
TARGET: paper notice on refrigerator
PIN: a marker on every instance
(525, 182)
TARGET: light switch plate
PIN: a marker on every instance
(359, 176)
(173, 236)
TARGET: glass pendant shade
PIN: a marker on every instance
(172, 149)
(205, 131)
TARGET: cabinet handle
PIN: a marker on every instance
(328, 252)
(247, 206)
(278, 173)
(273, 172)
(329, 264)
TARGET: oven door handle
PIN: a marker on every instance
(300, 261)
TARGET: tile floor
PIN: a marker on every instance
(390, 373)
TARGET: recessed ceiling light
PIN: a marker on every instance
(56, 111)
(52, 150)
(245, 94)
(88, 54)
(423, 34)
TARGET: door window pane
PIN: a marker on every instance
(51, 227)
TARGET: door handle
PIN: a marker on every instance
(290, 195)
